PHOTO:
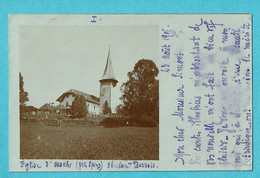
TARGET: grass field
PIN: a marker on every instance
(70, 141)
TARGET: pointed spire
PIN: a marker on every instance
(108, 72)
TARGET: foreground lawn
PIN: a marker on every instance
(39, 141)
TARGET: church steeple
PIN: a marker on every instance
(107, 82)
(108, 74)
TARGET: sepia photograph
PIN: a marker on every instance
(93, 92)
(89, 92)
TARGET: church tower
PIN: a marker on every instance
(107, 82)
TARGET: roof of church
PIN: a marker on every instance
(109, 73)
(88, 97)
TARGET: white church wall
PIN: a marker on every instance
(105, 93)
(113, 105)
(92, 108)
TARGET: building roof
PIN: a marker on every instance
(47, 107)
(88, 97)
(109, 72)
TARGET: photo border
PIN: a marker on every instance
(134, 6)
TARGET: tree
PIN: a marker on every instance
(141, 92)
(78, 108)
(30, 109)
(106, 109)
(119, 110)
(23, 95)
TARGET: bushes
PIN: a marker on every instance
(145, 121)
(40, 116)
(43, 116)
(113, 122)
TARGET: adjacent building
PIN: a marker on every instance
(66, 99)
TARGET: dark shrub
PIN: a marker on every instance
(144, 121)
(113, 122)
(147, 123)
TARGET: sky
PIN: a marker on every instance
(55, 59)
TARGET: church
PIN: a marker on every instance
(94, 104)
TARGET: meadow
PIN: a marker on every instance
(87, 140)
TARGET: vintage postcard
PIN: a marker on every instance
(125, 92)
